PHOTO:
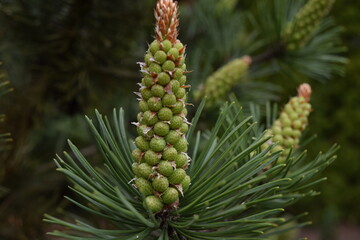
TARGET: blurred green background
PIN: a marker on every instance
(65, 58)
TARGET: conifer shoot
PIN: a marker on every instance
(287, 129)
(161, 156)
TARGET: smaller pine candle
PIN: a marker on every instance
(287, 129)
(298, 32)
(219, 84)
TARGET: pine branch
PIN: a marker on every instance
(275, 20)
(323, 33)
(236, 192)
(275, 52)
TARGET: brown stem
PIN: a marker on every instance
(275, 51)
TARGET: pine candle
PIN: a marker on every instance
(286, 131)
(298, 32)
(160, 156)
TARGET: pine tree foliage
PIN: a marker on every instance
(217, 35)
(305, 21)
(273, 24)
(61, 57)
(226, 40)
(237, 190)
(67, 54)
(321, 52)
(90, 48)
(229, 185)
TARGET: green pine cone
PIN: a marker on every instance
(298, 32)
(286, 130)
(160, 156)
(218, 85)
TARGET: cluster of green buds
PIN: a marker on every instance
(160, 157)
(298, 32)
(286, 131)
(218, 85)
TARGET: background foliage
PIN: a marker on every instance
(67, 58)
(337, 113)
